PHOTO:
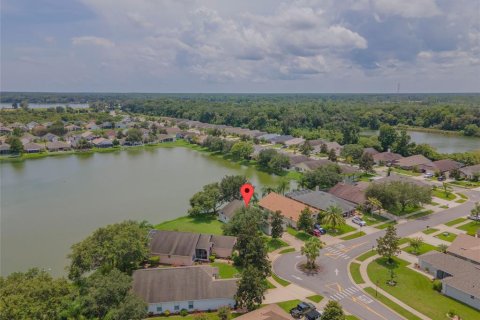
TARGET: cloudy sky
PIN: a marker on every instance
(240, 46)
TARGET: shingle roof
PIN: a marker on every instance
(282, 139)
(32, 146)
(181, 284)
(314, 164)
(173, 242)
(288, 207)
(466, 246)
(348, 192)
(386, 157)
(415, 160)
(321, 200)
(470, 170)
(445, 165)
(223, 242)
(231, 208)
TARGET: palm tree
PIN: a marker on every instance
(311, 250)
(266, 190)
(375, 204)
(333, 217)
(283, 186)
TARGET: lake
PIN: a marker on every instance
(5, 105)
(48, 204)
(444, 143)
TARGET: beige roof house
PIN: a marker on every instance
(415, 161)
(467, 247)
(386, 157)
(349, 192)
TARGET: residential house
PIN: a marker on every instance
(92, 126)
(165, 138)
(311, 165)
(281, 139)
(4, 148)
(470, 172)
(194, 288)
(27, 137)
(371, 151)
(458, 269)
(330, 145)
(386, 158)
(269, 137)
(322, 201)
(102, 143)
(31, 125)
(444, 166)
(107, 125)
(51, 137)
(58, 146)
(184, 248)
(226, 213)
(295, 158)
(268, 312)
(415, 162)
(120, 125)
(111, 134)
(349, 192)
(31, 147)
(5, 130)
(88, 135)
(289, 208)
(73, 127)
(294, 142)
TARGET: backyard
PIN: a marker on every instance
(425, 300)
(203, 224)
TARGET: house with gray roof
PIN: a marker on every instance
(322, 201)
(184, 248)
(281, 139)
(458, 269)
(190, 288)
(310, 165)
(470, 172)
(268, 137)
(226, 213)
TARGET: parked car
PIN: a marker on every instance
(319, 228)
(316, 233)
(301, 309)
(428, 175)
(359, 221)
(474, 218)
(441, 178)
(313, 315)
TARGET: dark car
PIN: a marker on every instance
(313, 315)
(301, 309)
(319, 228)
(441, 178)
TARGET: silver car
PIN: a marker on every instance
(359, 221)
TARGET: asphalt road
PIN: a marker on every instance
(332, 280)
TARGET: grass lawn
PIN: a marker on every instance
(365, 177)
(421, 214)
(470, 227)
(367, 255)
(287, 250)
(300, 235)
(208, 224)
(270, 285)
(351, 317)
(385, 225)
(274, 244)
(355, 272)
(430, 230)
(279, 280)
(406, 172)
(460, 200)
(461, 195)
(339, 230)
(354, 235)
(466, 184)
(371, 219)
(416, 290)
(402, 241)
(455, 221)
(434, 203)
(392, 305)
(424, 248)
(287, 305)
(226, 271)
(316, 298)
(440, 193)
(444, 207)
(408, 209)
(450, 237)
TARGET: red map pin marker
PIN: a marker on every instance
(247, 192)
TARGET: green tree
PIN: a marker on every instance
(387, 246)
(387, 136)
(333, 217)
(265, 156)
(251, 288)
(16, 145)
(402, 144)
(366, 162)
(306, 148)
(119, 246)
(332, 155)
(475, 210)
(323, 148)
(83, 144)
(33, 295)
(311, 250)
(283, 186)
(206, 201)
(416, 243)
(354, 151)
(241, 150)
(399, 194)
(230, 187)
(109, 296)
(350, 133)
(244, 219)
(276, 224)
(57, 128)
(333, 311)
(375, 204)
(471, 130)
(134, 135)
(279, 163)
(224, 313)
(305, 220)
(324, 177)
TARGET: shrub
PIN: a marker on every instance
(166, 313)
(183, 312)
(451, 313)
(224, 313)
(437, 285)
(211, 258)
(154, 260)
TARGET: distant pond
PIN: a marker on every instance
(48, 204)
(444, 143)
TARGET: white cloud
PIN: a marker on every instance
(407, 8)
(92, 40)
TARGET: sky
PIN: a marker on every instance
(260, 46)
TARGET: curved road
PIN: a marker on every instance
(332, 280)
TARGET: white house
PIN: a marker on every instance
(194, 288)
